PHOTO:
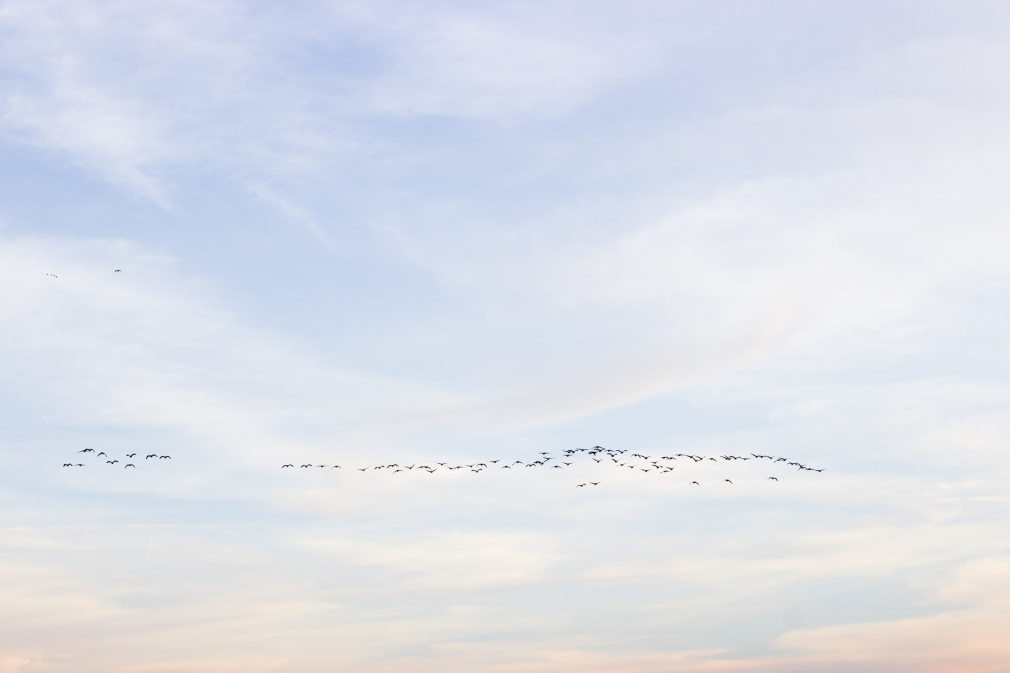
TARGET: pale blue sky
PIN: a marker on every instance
(382, 232)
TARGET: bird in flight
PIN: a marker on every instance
(129, 465)
(86, 450)
(112, 462)
(118, 271)
(727, 480)
(150, 455)
(595, 483)
(130, 455)
(695, 483)
(160, 457)
(579, 485)
(102, 453)
(774, 478)
(288, 465)
(68, 464)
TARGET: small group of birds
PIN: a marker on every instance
(114, 461)
(601, 456)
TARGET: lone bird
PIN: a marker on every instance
(118, 271)
(774, 478)
(727, 480)
(695, 483)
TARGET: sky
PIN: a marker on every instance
(374, 233)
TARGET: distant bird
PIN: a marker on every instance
(774, 478)
(595, 483)
(160, 457)
(288, 465)
(68, 464)
(130, 455)
(150, 455)
(129, 465)
(335, 467)
(118, 271)
(306, 465)
(695, 483)
(112, 462)
(101, 453)
(727, 480)
(86, 450)
(80, 464)
(579, 485)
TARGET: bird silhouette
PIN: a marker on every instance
(160, 457)
(130, 455)
(101, 453)
(288, 465)
(112, 462)
(129, 465)
(150, 455)
(774, 478)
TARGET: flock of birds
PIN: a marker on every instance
(114, 461)
(602, 457)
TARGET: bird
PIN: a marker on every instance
(112, 462)
(335, 467)
(595, 483)
(86, 450)
(774, 478)
(579, 485)
(130, 455)
(80, 464)
(101, 453)
(727, 480)
(118, 271)
(129, 465)
(695, 483)
(150, 455)
(160, 457)
(288, 465)
(68, 464)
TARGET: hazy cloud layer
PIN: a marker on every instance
(351, 233)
